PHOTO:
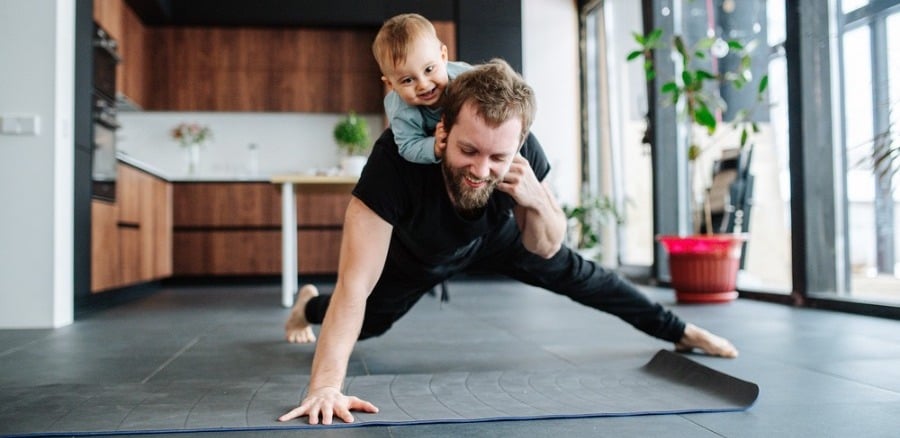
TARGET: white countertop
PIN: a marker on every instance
(200, 177)
(314, 179)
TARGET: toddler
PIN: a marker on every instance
(414, 66)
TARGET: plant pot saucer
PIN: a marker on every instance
(705, 297)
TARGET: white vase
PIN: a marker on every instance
(353, 165)
(193, 158)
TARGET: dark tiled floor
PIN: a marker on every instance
(820, 373)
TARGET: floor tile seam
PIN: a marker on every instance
(25, 345)
(172, 359)
(702, 426)
(848, 379)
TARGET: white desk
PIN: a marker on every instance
(289, 282)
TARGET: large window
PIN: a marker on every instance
(870, 78)
(619, 163)
(823, 219)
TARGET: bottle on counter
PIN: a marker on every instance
(253, 162)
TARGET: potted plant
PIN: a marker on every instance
(586, 221)
(352, 136)
(704, 267)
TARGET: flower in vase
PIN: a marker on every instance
(187, 134)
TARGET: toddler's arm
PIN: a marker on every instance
(408, 127)
(412, 142)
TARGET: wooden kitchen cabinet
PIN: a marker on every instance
(161, 226)
(108, 14)
(123, 25)
(263, 69)
(131, 240)
(131, 73)
(104, 246)
(226, 228)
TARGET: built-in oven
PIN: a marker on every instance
(103, 114)
(103, 161)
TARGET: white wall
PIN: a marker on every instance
(550, 64)
(37, 78)
(286, 142)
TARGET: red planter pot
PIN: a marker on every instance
(704, 267)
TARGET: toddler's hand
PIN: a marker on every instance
(440, 141)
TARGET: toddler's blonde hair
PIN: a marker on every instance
(396, 35)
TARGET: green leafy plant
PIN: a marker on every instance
(884, 158)
(696, 92)
(588, 219)
(697, 88)
(352, 135)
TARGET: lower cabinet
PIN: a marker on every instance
(225, 228)
(105, 260)
(157, 229)
(131, 238)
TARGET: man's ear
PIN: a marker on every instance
(522, 144)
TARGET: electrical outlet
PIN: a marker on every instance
(20, 125)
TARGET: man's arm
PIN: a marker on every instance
(364, 248)
(541, 220)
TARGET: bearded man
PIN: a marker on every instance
(410, 226)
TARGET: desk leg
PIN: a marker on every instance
(288, 245)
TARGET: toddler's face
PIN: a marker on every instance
(421, 79)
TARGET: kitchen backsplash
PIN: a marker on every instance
(285, 142)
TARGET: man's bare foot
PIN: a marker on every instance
(297, 329)
(696, 337)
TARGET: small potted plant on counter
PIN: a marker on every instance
(352, 136)
(704, 265)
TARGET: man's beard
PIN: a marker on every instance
(469, 202)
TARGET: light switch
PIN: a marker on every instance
(20, 124)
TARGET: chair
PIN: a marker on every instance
(730, 194)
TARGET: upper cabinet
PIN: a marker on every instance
(126, 28)
(257, 69)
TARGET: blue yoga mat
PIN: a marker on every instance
(668, 384)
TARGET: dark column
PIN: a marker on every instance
(84, 26)
(489, 29)
(814, 261)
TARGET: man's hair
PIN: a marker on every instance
(496, 90)
(392, 43)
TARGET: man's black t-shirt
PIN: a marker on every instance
(412, 197)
